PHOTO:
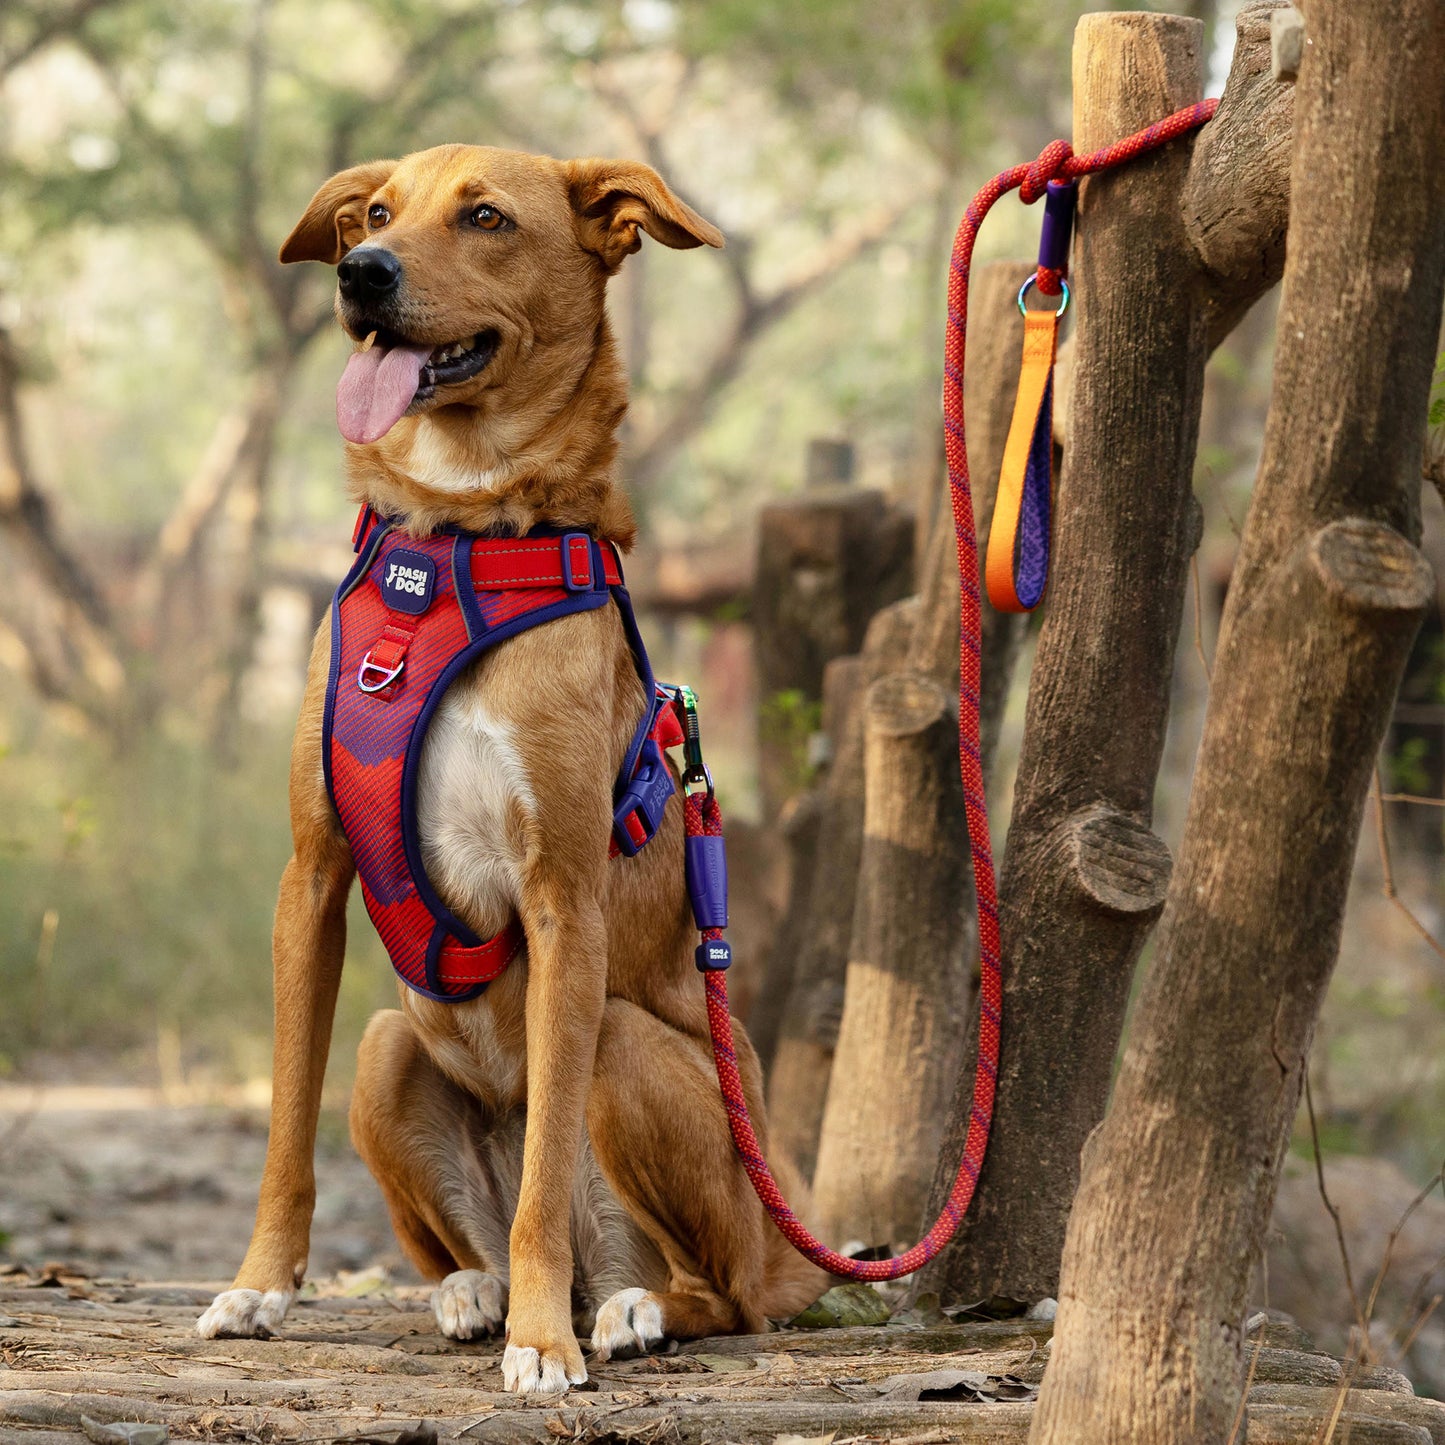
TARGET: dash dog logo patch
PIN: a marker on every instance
(407, 581)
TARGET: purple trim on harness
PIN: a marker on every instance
(372, 749)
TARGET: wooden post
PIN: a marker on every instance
(828, 559)
(910, 974)
(808, 1031)
(1083, 876)
(1326, 595)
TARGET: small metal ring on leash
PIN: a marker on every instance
(1033, 281)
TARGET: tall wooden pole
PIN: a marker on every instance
(1326, 596)
(1083, 876)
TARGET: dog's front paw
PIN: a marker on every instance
(469, 1303)
(245, 1314)
(527, 1371)
(628, 1324)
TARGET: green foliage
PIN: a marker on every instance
(1408, 773)
(139, 897)
(788, 720)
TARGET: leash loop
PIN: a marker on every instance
(702, 816)
(1051, 165)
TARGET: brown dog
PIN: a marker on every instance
(556, 1147)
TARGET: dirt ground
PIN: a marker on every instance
(122, 1212)
(124, 1181)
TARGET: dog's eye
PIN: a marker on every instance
(378, 216)
(489, 218)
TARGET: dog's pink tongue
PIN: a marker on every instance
(376, 387)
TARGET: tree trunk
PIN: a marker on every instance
(63, 634)
(1327, 593)
(912, 959)
(1083, 877)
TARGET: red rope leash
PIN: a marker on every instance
(1057, 161)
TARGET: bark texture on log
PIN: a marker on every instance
(828, 559)
(1083, 876)
(1236, 195)
(799, 1080)
(1326, 596)
(906, 990)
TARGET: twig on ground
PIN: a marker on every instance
(1199, 618)
(1330, 1205)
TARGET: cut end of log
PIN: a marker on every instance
(1286, 43)
(1118, 864)
(904, 704)
(1370, 567)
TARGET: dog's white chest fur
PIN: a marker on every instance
(473, 803)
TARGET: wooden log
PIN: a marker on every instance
(571, 1418)
(828, 559)
(1325, 599)
(1235, 198)
(801, 823)
(1289, 1425)
(1083, 876)
(1428, 1415)
(799, 1080)
(907, 980)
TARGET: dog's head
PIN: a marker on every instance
(464, 271)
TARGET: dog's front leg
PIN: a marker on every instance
(308, 946)
(566, 991)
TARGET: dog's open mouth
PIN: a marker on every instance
(388, 375)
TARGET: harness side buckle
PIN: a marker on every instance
(638, 814)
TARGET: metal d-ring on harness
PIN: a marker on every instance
(1020, 572)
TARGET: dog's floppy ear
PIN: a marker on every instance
(336, 218)
(613, 198)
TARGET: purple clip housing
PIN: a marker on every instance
(707, 880)
(1059, 201)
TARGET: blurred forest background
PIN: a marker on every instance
(172, 518)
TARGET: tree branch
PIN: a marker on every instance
(49, 28)
(1235, 198)
(755, 315)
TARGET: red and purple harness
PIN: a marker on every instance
(409, 617)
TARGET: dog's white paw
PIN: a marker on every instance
(468, 1304)
(245, 1314)
(630, 1323)
(526, 1371)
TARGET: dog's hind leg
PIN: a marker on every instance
(448, 1169)
(658, 1129)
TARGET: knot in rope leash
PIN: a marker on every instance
(1056, 164)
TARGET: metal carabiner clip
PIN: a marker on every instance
(696, 773)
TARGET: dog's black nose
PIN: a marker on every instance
(368, 274)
